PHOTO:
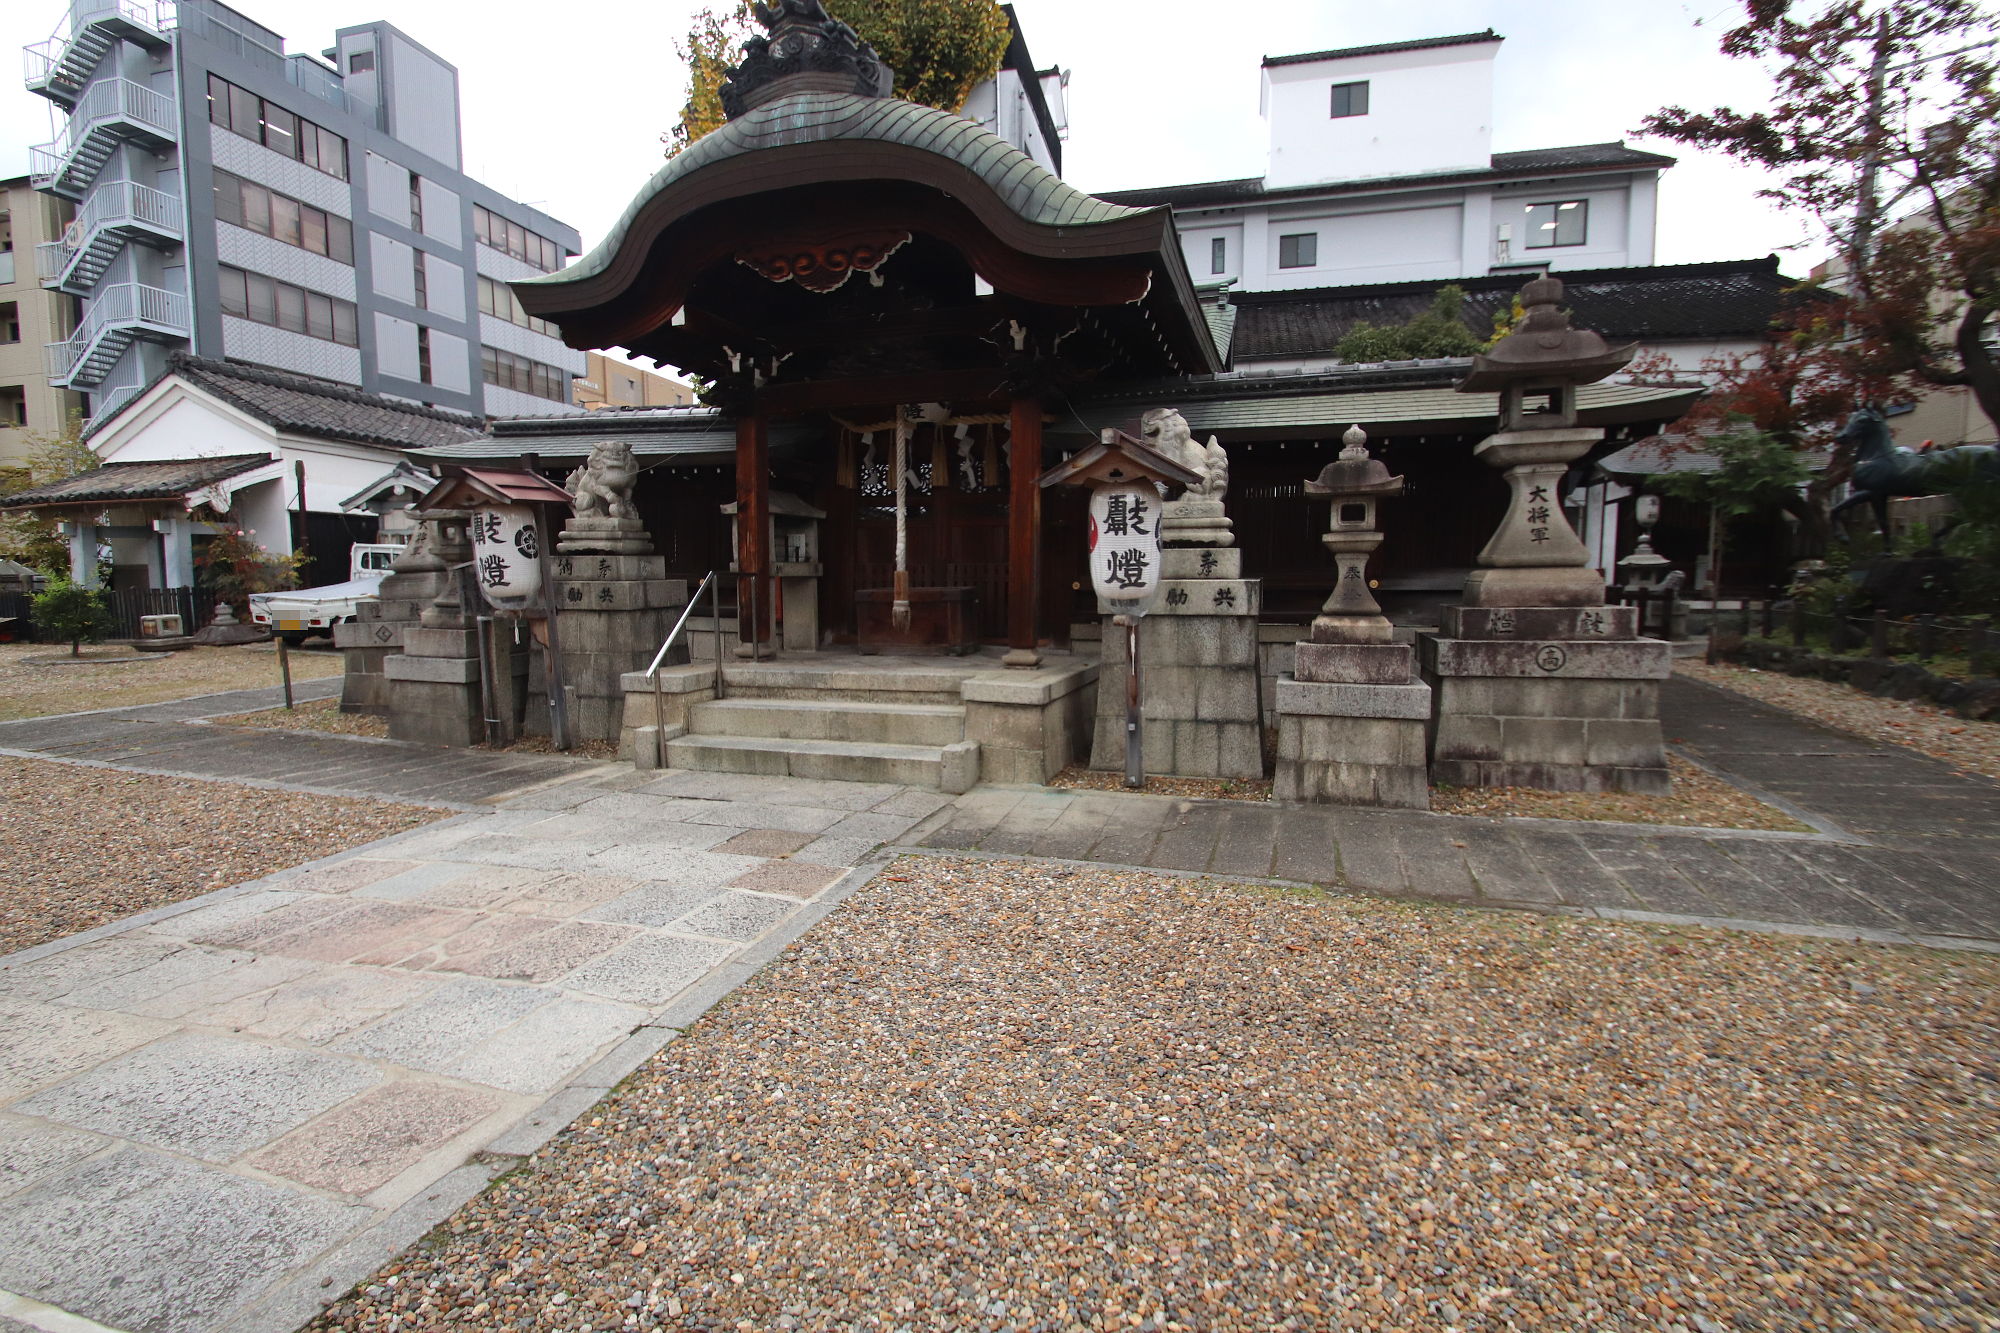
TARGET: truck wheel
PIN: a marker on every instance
(292, 637)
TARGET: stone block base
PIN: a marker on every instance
(434, 712)
(1356, 663)
(1560, 716)
(1348, 744)
(1545, 587)
(1029, 726)
(647, 708)
(1199, 679)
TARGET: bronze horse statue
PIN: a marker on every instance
(1884, 470)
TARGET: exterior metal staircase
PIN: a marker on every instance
(118, 315)
(60, 67)
(116, 213)
(110, 111)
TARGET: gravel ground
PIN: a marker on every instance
(1019, 1096)
(1699, 799)
(1973, 746)
(1078, 777)
(313, 715)
(56, 684)
(88, 845)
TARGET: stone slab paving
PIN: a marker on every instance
(1910, 848)
(220, 1114)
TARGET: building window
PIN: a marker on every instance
(504, 370)
(422, 285)
(265, 300)
(255, 208)
(416, 202)
(423, 354)
(14, 405)
(1557, 224)
(361, 62)
(496, 298)
(1218, 255)
(243, 112)
(496, 232)
(1300, 251)
(1350, 99)
(10, 322)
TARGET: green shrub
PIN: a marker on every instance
(66, 610)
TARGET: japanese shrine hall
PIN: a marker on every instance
(850, 274)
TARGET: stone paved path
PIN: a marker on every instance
(1913, 850)
(157, 738)
(219, 1114)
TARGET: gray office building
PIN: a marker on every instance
(307, 213)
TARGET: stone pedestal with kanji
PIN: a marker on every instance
(433, 683)
(1535, 682)
(612, 610)
(376, 632)
(1198, 664)
(1352, 715)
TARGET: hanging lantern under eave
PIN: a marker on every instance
(506, 555)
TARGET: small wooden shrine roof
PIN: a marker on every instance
(464, 487)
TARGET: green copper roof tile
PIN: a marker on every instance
(1030, 190)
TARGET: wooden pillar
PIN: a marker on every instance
(1024, 533)
(754, 588)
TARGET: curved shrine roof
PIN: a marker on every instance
(1030, 191)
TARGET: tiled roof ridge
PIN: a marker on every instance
(303, 383)
(1385, 48)
(1511, 161)
(1484, 281)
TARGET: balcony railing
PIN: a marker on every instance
(60, 66)
(114, 212)
(117, 315)
(108, 109)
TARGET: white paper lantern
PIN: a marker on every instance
(506, 550)
(1125, 541)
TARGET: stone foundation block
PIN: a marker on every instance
(435, 713)
(1634, 659)
(619, 594)
(1356, 663)
(1214, 562)
(1539, 622)
(1320, 699)
(1550, 777)
(422, 641)
(432, 670)
(1209, 597)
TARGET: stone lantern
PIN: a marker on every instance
(1536, 558)
(1535, 681)
(1354, 482)
(1644, 569)
(1352, 715)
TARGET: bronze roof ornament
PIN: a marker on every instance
(807, 50)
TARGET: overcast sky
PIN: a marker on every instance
(564, 105)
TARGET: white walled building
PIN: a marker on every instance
(1380, 169)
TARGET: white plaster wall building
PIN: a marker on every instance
(275, 453)
(1380, 168)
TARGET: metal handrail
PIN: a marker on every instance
(104, 101)
(44, 56)
(711, 583)
(117, 202)
(123, 303)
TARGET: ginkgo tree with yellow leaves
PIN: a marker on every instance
(940, 51)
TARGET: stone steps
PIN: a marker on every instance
(831, 720)
(952, 768)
